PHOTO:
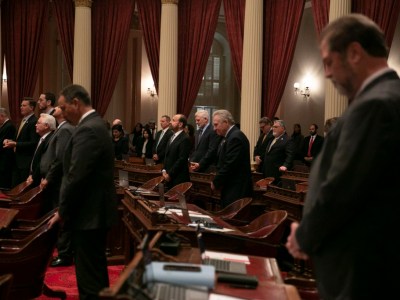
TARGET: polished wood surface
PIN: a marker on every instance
(7, 216)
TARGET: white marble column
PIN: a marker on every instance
(252, 71)
(168, 74)
(335, 104)
(83, 44)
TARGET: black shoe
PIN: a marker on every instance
(61, 262)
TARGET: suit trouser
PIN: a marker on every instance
(90, 261)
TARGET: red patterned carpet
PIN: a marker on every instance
(63, 278)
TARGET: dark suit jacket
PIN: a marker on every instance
(52, 161)
(352, 206)
(206, 151)
(176, 160)
(37, 156)
(7, 131)
(26, 144)
(316, 146)
(280, 154)
(87, 197)
(149, 148)
(233, 176)
(261, 147)
(161, 148)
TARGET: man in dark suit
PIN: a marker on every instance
(265, 137)
(45, 127)
(233, 176)
(161, 140)
(25, 142)
(349, 224)
(88, 204)
(279, 153)
(176, 168)
(312, 145)
(51, 172)
(7, 131)
(206, 143)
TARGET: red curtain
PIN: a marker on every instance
(65, 12)
(320, 9)
(110, 31)
(197, 24)
(150, 21)
(384, 12)
(282, 23)
(22, 29)
(234, 17)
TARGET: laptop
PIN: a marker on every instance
(206, 221)
(220, 265)
(167, 291)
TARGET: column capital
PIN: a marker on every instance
(83, 3)
(169, 1)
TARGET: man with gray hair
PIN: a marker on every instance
(279, 153)
(45, 127)
(233, 176)
(7, 131)
(206, 143)
(350, 216)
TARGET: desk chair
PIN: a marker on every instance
(27, 259)
(5, 285)
(16, 191)
(230, 211)
(182, 188)
(263, 183)
(152, 183)
(268, 228)
(264, 225)
(302, 186)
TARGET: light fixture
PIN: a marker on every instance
(151, 92)
(303, 92)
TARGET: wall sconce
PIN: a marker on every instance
(298, 91)
(151, 92)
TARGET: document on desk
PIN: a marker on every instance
(222, 297)
(227, 256)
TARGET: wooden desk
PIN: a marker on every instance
(6, 216)
(266, 269)
(291, 178)
(140, 217)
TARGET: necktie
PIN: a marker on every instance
(20, 126)
(159, 140)
(172, 138)
(37, 147)
(199, 135)
(310, 146)
(272, 143)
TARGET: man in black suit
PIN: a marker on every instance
(312, 145)
(206, 143)
(350, 216)
(161, 140)
(265, 137)
(233, 176)
(88, 206)
(176, 168)
(7, 131)
(25, 141)
(51, 170)
(45, 127)
(279, 153)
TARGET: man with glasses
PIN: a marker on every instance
(265, 137)
(279, 153)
